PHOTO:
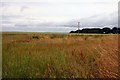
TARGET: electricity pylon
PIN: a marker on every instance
(78, 26)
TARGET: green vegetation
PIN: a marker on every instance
(50, 55)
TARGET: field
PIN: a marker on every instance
(59, 55)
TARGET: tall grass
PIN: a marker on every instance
(59, 56)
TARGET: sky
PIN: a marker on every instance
(57, 15)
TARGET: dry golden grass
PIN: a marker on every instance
(59, 55)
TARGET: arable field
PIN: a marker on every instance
(58, 55)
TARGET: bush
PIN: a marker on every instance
(35, 37)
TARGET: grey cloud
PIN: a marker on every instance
(8, 17)
(47, 24)
(93, 21)
(97, 21)
(6, 22)
(23, 8)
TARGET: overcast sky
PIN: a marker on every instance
(21, 15)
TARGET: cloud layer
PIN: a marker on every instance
(101, 20)
(52, 15)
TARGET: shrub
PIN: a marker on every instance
(35, 37)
